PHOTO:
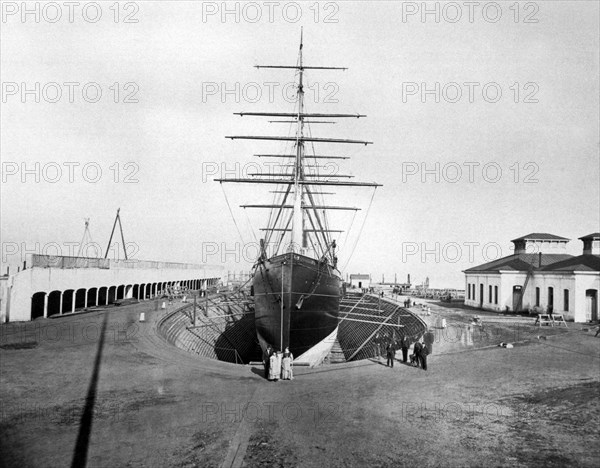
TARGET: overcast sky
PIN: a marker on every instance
(529, 157)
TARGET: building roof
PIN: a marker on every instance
(544, 236)
(594, 236)
(580, 263)
(519, 262)
(360, 277)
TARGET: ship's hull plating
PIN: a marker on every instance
(296, 301)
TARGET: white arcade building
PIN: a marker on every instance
(540, 277)
(56, 285)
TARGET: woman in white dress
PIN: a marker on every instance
(275, 366)
(287, 373)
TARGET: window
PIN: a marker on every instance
(495, 294)
(566, 300)
(537, 297)
(490, 294)
(468, 290)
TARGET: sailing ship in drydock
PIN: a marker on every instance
(297, 289)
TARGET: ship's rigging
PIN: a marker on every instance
(298, 211)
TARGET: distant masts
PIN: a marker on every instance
(87, 237)
(117, 218)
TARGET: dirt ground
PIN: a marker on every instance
(71, 397)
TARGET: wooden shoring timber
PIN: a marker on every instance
(372, 335)
(373, 322)
(378, 316)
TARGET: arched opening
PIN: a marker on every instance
(54, 306)
(92, 297)
(103, 295)
(80, 299)
(128, 291)
(136, 291)
(120, 292)
(142, 291)
(67, 305)
(112, 294)
(481, 295)
(37, 305)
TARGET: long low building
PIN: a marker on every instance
(50, 285)
(540, 277)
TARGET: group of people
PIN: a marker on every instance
(278, 365)
(420, 352)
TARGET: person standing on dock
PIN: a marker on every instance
(428, 340)
(404, 345)
(391, 353)
(417, 349)
(377, 346)
(266, 360)
(424, 353)
(287, 372)
(275, 366)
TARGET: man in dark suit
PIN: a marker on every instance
(429, 339)
(266, 357)
(417, 349)
(404, 345)
(424, 353)
(391, 353)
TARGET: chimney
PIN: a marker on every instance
(591, 244)
(408, 279)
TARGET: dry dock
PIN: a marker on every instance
(102, 389)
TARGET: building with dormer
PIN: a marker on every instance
(540, 277)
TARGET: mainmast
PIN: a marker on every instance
(298, 237)
(298, 210)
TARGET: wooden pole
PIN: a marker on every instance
(195, 296)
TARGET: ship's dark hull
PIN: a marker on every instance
(310, 293)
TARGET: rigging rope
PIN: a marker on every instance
(343, 243)
(361, 228)
(231, 213)
(250, 224)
